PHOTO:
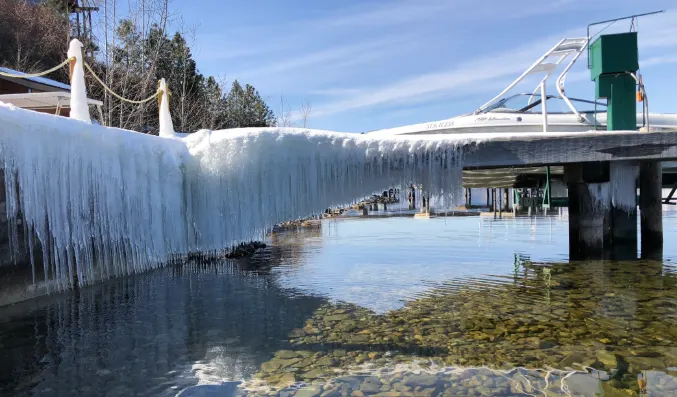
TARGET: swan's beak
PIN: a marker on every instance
(71, 67)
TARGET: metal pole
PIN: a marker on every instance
(544, 107)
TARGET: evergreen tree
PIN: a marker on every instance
(246, 108)
(36, 33)
(215, 104)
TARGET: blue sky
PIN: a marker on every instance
(366, 65)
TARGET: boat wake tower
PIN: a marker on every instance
(567, 49)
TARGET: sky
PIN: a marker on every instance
(367, 64)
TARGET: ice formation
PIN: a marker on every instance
(600, 194)
(621, 190)
(105, 201)
(78, 105)
(623, 179)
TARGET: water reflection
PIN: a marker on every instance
(149, 335)
(391, 307)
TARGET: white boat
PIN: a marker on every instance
(527, 112)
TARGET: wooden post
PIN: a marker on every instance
(501, 204)
(623, 178)
(589, 210)
(651, 209)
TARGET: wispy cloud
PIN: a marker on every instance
(659, 60)
(351, 54)
(463, 78)
(357, 57)
(390, 13)
(488, 71)
(367, 18)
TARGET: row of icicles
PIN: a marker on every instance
(79, 110)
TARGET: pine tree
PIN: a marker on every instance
(131, 62)
(246, 108)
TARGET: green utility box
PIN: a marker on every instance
(614, 53)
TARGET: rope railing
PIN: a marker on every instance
(89, 68)
(139, 102)
(80, 111)
(29, 75)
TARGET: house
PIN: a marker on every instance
(39, 94)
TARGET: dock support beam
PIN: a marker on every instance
(651, 210)
(623, 179)
(589, 210)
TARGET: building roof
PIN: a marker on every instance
(41, 100)
(39, 80)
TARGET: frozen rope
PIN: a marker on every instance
(142, 101)
(29, 75)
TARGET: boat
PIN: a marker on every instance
(538, 111)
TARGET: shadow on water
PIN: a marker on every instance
(150, 334)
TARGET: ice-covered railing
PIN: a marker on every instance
(105, 201)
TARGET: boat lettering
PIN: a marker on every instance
(492, 119)
(441, 124)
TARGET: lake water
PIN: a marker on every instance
(458, 306)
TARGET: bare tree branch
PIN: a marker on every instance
(284, 114)
(305, 112)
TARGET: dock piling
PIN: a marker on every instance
(650, 208)
(623, 178)
(589, 210)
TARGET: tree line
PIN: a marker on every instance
(130, 52)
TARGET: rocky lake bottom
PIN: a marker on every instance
(386, 307)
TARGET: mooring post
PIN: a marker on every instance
(623, 179)
(500, 203)
(589, 210)
(506, 197)
(651, 208)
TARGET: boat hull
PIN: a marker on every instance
(520, 123)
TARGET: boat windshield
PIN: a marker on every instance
(531, 103)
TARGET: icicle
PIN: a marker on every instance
(601, 196)
(166, 126)
(78, 105)
(106, 202)
(623, 181)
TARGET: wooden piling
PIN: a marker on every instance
(650, 208)
(623, 177)
(589, 210)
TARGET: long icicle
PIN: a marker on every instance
(105, 202)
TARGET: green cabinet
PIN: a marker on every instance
(614, 53)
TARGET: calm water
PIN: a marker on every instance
(387, 307)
